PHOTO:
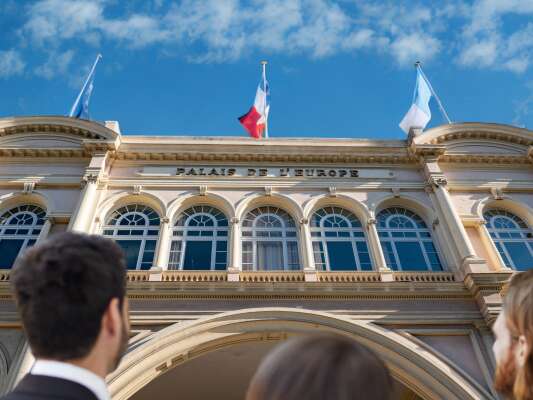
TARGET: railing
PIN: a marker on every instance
(423, 277)
(349, 276)
(272, 276)
(138, 276)
(194, 276)
(4, 275)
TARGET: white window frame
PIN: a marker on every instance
(38, 215)
(420, 228)
(130, 210)
(320, 237)
(520, 228)
(287, 226)
(216, 229)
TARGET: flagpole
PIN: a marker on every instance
(264, 63)
(418, 66)
(98, 57)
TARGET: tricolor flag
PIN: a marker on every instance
(80, 108)
(255, 121)
(419, 114)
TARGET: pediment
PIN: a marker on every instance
(477, 137)
(482, 147)
(40, 141)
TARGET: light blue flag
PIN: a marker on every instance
(419, 114)
(80, 108)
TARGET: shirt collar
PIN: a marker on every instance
(70, 372)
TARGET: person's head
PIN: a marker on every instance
(321, 367)
(70, 291)
(513, 347)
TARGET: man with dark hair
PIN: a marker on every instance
(70, 292)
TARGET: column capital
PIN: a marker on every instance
(435, 181)
(303, 221)
(165, 220)
(234, 220)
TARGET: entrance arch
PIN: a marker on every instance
(415, 367)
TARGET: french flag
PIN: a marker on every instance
(255, 121)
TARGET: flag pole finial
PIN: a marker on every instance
(418, 64)
(264, 62)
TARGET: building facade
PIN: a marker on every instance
(233, 245)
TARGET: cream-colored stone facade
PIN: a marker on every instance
(201, 333)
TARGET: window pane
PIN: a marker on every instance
(389, 255)
(431, 252)
(247, 260)
(292, 255)
(175, 255)
(341, 257)
(503, 255)
(411, 256)
(269, 256)
(520, 255)
(364, 257)
(197, 255)
(131, 249)
(9, 250)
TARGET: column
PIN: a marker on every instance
(470, 262)
(162, 252)
(45, 230)
(308, 258)
(82, 217)
(378, 258)
(235, 265)
(494, 254)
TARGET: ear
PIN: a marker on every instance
(522, 351)
(112, 320)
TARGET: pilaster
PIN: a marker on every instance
(163, 247)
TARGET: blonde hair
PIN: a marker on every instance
(518, 308)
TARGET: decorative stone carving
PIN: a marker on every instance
(435, 223)
(90, 178)
(234, 220)
(303, 221)
(371, 221)
(202, 190)
(137, 189)
(29, 187)
(165, 220)
(332, 191)
(268, 190)
(437, 180)
(497, 193)
(395, 192)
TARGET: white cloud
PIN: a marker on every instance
(11, 63)
(413, 47)
(57, 63)
(227, 30)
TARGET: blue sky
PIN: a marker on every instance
(340, 68)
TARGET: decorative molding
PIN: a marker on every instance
(435, 223)
(137, 189)
(303, 221)
(395, 192)
(202, 190)
(234, 220)
(29, 187)
(268, 190)
(370, 221)
(165, 220)
(332, 191)
(90, 178)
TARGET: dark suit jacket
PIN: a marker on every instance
(39, 387)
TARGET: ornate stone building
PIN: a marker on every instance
(234, 245)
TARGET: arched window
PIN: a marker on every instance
(339, 241)
(135, 228)
(19, 229)
(512, 237)
(269, 240)
(406, 241)
(199, 240)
